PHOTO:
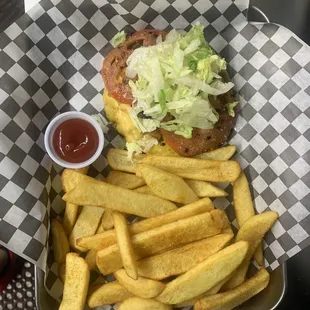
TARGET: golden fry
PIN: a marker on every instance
(124, 244)
(125, 180)
(259, 255)
(162, 238)
(106, 294)
(70, 178)
(86, 225)
(252, 231)
(119, 160)
(137, 303)
(60, 242)
(70, 216)
(108, 238)
(142, 287)
(196, 169)
(107, 219)
(223, 153)
(205, 189)
(62, 272)
(91, 259)
(144, 190)
(179, 260)
(235, 297)
(167, 185)
(244, 208)
(162, 150)
(205, 275)
(83, 170)
(76, 283)
(101, 194)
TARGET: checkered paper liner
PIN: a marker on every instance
(50, 62)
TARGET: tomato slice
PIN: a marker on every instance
(114, 65)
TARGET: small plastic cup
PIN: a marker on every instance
(49, 133)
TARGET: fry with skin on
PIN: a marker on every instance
(86, 225)
(125, 180)
(222, 153)
(252, 231)
(235, 297)
(60, 242)
(160, 182)
(162, 238)
(108, 238)
(180, 260)
(119, 160)
(100, 194)
(141, 287)
(124, 244)
(71, 210)
(205, 275)
(106, 294)
(90, 259)
(137, 303)
(144, 190)
(205, 189)
(214, 290)
(62, 272)
(76, 283)
(107, 219)
(196, 169)
(244, 209)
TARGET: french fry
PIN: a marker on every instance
(100, 228)
(83, 170)
(124, 244)
(62, 272)
(180, 260)
(214, 290)
(244, 208)
(205, 275)
(142, 287)
(106, 294)
(223, 153)
(167, 185)
(60, 242)
(71, 210)
(86, 225)
(235, 297)
(162, 238)
(125, 180)
(76, 283)
(144, 190)
(137, 303)
(70, 178)
(196, 169)
(107, 219)
(108, 238)
(252, 231)
(70, 216)
(162, 150)
(205, 189)
(100, 194)
(259, 255)
(90, 259)
(119, 160)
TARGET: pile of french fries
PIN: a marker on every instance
(180, 251)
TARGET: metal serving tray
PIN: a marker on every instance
(268, 299)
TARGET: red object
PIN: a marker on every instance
(9, 271)
(75, 140)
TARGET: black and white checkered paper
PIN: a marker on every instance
(50, 62)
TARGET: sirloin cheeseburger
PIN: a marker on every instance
(168, 87)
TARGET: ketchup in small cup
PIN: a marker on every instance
(74, 140)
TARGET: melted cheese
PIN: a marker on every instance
(118, 113)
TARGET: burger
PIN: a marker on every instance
(168, 88)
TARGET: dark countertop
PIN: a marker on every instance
(298, 268)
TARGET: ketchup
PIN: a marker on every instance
(75, 140)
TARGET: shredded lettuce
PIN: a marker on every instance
(118, 39)
(230, 108)
(141, 146)
(174, 78)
